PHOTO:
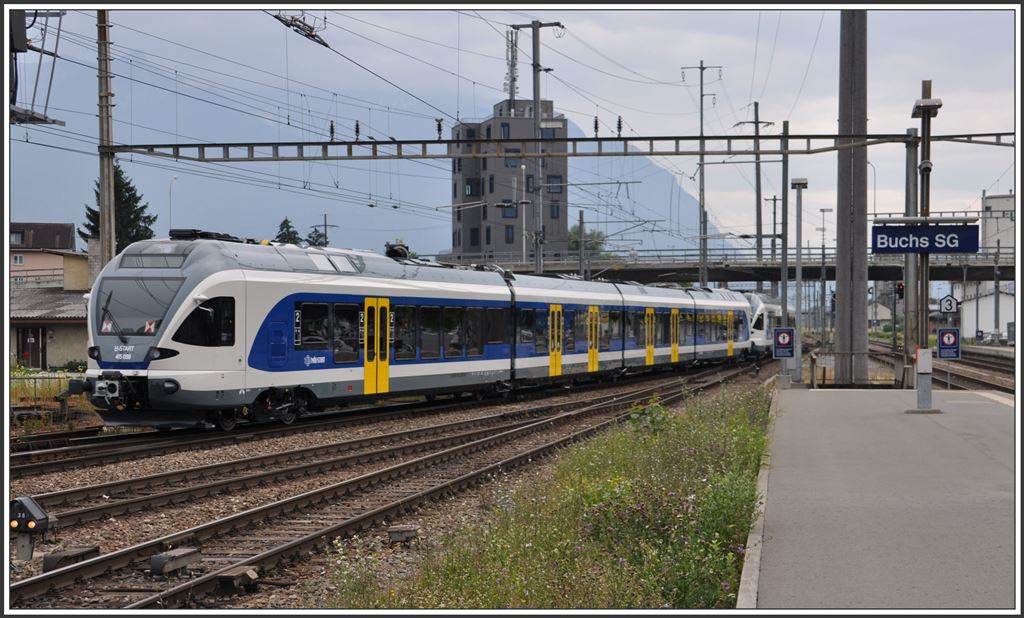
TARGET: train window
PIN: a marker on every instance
(723, 327)
(211, 324)
(759, 322)
(496, 325)
(430, 332)
(453, 333)
(738, 333)
(525, 326)
(316, 326)
(581, 328)
(540, 342)
(568, 335)
(605, 334)
(346, 333)
(663, 335)
(631, 320)
(685, 326)
(405, 332)
(475, 331)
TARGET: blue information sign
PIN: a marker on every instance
(783, 347)
(949, 343)
(924, 239)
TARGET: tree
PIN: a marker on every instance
(131, 223)
(594, 242)
(287, 233)
(316, 238)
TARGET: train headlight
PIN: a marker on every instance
(160, 353)
(171, 386)
(94, 352)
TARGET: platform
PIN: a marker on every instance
(867, 507)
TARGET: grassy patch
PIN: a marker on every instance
(651, 515)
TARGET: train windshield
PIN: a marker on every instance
(134, 306)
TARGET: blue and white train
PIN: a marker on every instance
(207, 328)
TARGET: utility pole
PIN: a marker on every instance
(582, 242)
(538, 185)
(784, 283)
(799, 184)
(108, 233)
(325, 226)
(757, 183)
(703, 212)
(925, 108)
(995, 292)
(774, 199)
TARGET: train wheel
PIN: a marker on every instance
(226, 420)
(297, 409)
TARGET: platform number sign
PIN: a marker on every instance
(949, 343)
(784, 343)
(948, 304)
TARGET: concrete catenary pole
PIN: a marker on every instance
(851, 207)
(910, 266)
(108, 233)
(759, 243)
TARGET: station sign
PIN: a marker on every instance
(924, 239)
(784, 343)
(949, 343)
(949, 304)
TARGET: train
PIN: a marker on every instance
(207, 329)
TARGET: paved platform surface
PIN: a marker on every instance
(868, 507)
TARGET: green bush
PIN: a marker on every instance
(652, 515)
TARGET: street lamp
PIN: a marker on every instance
(824, 290)
(799, 184)
(169, 186)
(874, 197)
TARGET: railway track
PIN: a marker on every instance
(107, 449)
(955, 374)
(232, 551)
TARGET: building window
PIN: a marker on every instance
(509, 210)
(484, 163)
(458, 213)
(455, 165)
(488, 131)
(529, 183)
(487, 234)
(504, 130)
(556, 210)
(455, 190)
(470, 133)
(483, 211)
(511, 161)
(17, 238)
(454, 238)
(490, 183)
(18, 260)
(510, 234)
(459, 162)
(474, 237)
(547, 132)
(554, 183)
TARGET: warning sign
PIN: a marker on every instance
(783, 347)
(949, 343)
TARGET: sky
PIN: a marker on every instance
(188, 73)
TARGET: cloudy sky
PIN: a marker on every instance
(191, 74)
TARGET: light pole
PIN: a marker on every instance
(823, 288)
(170, 185)
(874, 196)
(522, 207)
(799, 184)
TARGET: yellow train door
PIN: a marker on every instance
(593, 324)
(556, 334)
(377, 328)
(674, 330)
(649, 326)
(729, 333)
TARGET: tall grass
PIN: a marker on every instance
(652, 515)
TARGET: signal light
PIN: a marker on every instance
(899, 290)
